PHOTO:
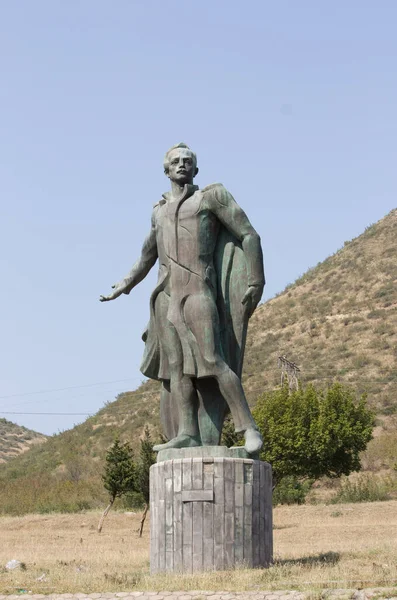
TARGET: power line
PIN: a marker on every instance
(148, 394)
(98, 383)
(53, 414)
(73, 387)
(308, 378)
(86, 414)
(52, 399)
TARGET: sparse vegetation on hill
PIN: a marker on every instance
(337, 322)
(15, 439)
(65, 474)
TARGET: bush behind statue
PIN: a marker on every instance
(313, 432)
(291, 490)
(366, 488)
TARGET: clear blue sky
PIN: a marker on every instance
(291, 105)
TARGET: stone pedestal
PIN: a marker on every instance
(210, 513)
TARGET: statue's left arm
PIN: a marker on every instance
(232, 216)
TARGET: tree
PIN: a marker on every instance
(312, 432)
(120, 474)
(146, 459)
(229, 436)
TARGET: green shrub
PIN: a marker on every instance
(132, 501)
(366, 488)
(313, 432)
(376, 314)
(291, 490)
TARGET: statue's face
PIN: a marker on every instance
(181, 166)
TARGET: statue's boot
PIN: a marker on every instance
(181, 441)
(253, 440)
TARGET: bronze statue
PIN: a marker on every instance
(210, 281)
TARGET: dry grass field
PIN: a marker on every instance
(333, 546)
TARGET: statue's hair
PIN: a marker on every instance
(180, 145)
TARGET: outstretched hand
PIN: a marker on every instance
(118, 290)
(252, 297)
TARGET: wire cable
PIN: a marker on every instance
(137, 405)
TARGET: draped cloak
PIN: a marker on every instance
(225, 279)
(231, 281)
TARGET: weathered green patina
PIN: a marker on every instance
(210, 281)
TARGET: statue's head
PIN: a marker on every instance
(180, 164)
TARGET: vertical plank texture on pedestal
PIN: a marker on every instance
(256, 504)
(239, 510)
(178, 524)
(191, 533)
(161, 518)
(208, 517)
(248, 486)
(219, 514)
(153, 519)
(267, 509)
(229, 514)
(187, 518)
(169, 516)
(197, 476)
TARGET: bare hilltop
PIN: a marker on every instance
(15, 439)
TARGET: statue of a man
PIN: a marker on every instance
(210, 281)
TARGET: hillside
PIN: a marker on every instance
(337, 321)
(14, 440)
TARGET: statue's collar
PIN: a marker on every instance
(188, 191)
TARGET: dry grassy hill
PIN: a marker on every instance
(337, 321)
(14, 440)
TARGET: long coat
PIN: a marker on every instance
(199, 242)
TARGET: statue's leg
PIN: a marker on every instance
(168, 412)
(232, 390)
(183, 394)
(184, 399)
(202, 317)
(211, 411)
(168, 407)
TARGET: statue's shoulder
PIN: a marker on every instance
(158, 204)
(156, 213)
(215, 195)
(214, 187)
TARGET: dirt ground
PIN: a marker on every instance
(315, 547)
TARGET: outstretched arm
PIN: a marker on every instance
(236, 221)
(140, 269)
